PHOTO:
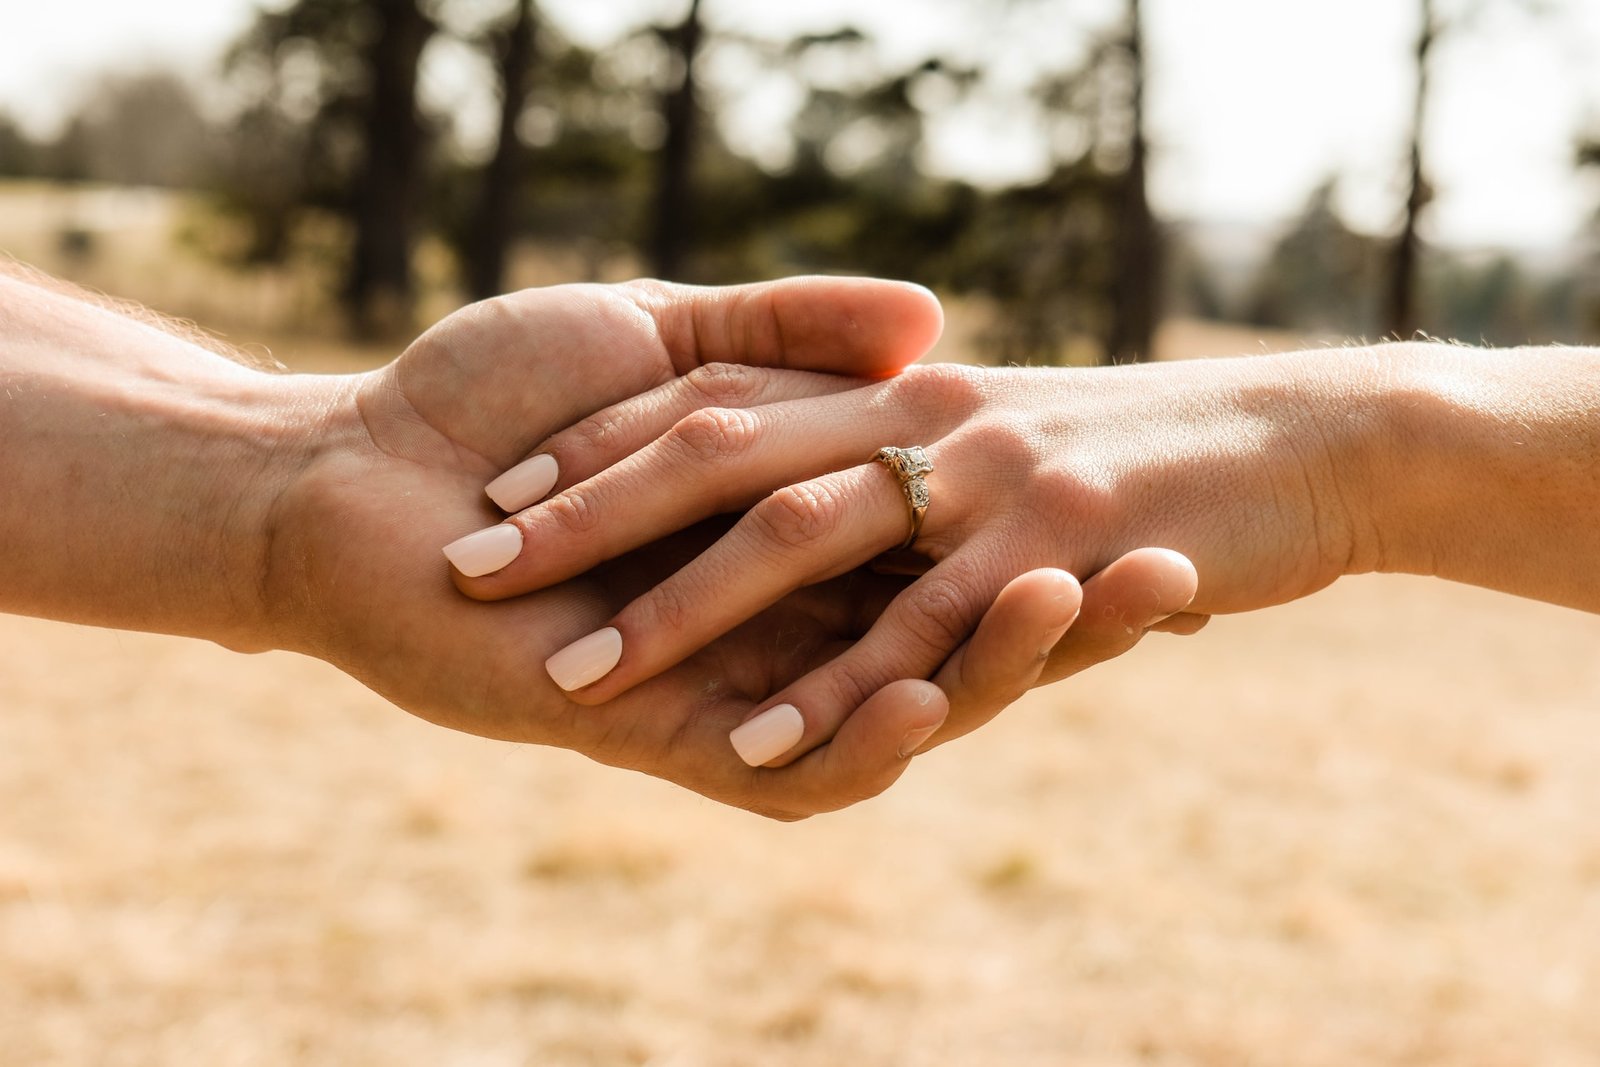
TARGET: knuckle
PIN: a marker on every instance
(1007, 446)
(724, 384)
(598, 438)
(668, 607)
(798, 516)
(850, 683)
(1063, 496)
(713, 434)
(1057, 484)
(948, 388)
(645, 289)
(937, 614)
(573, 512)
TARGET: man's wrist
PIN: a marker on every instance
(142, 472)
(280, 426)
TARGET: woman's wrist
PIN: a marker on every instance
(1360, 449)
(1328, 473)
(1493, 468)
(1394, 452)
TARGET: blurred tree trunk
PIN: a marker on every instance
(1136, 279)
(1400, 303)
(674, 197)
(493, 226)
(378, 290)
(1588, 159)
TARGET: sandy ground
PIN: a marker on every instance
(1356, 830)
(1359, 829)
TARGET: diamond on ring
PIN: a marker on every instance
(909, 465)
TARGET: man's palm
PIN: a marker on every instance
(417, 441)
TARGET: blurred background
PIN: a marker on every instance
(1358, 829)
(1071, 174)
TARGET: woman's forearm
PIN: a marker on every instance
(1489, 469)
(139, 469)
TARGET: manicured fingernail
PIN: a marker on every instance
(768, 735)
(586, 660)
(486, 551)
(916, 739)
(525, 484)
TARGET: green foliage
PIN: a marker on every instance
(20, 156)
(1324, 277)
(139, 127)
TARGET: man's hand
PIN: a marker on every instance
(406, 451)
(154, 485)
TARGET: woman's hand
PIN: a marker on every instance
(156, 485)
(1252, 468)
(399, 461)
(403, 456)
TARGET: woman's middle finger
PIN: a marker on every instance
(800, 535)
(712, 461)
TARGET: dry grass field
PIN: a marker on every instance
(1357, 830)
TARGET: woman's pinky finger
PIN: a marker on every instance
(868, 754)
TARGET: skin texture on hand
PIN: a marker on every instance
(152, 484)
(1275, 475)
(405, 455)
(138, 469)
(1032, 469)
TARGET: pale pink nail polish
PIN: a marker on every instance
(586, 660)
(525, 484)
(486, 551)
(768, 735)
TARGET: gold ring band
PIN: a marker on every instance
(908, 465)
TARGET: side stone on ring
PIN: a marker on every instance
(909, 465)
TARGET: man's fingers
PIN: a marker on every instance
(1023, 642)
(1120, 605)
(1006, 654)
(856, 326)
(920, 629)
(1183, 624)
(693, 747)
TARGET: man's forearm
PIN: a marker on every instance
(139, 468)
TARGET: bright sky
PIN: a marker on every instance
(1252, 101)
